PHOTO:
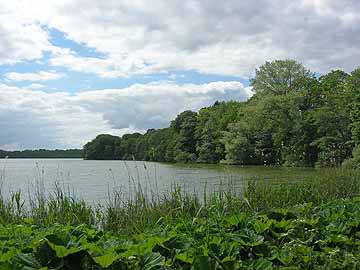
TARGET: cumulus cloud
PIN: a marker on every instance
(145, 106)
(229, 37)
(37, 119)
(104, 68)
(22, 38)
(36, 76)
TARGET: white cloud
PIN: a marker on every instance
(36, 86)
(145, 106)
(105, 68)
(34, 118)
(22, 38)
(230, 38)
(36, 76)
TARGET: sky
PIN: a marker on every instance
(72, 69)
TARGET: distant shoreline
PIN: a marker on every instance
(42, 153)
(42, 158)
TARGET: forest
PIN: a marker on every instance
(42, 153)
(295, 117)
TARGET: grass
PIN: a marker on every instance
(329, 185)
(143, 210)
(312, 222)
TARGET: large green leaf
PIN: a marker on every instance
(62, 251)
(106, 260)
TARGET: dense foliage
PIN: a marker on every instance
(43, 153)
(301, 237)
(294, 118)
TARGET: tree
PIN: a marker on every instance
(129, 146)
(294, 119)
(102, 147)
(354, 84)
(354, 88)
(206, 147)
(239, 144)
(43, 153)
(211, 122)
(185, 126)
(279, 77)
(332, 118)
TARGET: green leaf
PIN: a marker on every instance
(62, 251)
(60, 238)
(203, 263)
(151, 261)
(263, 264)
(106, 260)
(27, 260)
(261, 225)
(184, 257)
(177, 242)
(29, 221)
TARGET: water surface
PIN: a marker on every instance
(93, 179)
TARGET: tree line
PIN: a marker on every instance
(294, 118)
(43, 153)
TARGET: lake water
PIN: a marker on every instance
(92, 179)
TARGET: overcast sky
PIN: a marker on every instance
(73, 69)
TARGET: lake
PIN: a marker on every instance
(93, 179)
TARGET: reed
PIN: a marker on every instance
(144, 210)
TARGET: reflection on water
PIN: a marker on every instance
(92, 180)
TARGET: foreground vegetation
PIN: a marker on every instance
(294, 118)
(309, 224)
(302, 237)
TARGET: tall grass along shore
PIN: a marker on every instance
(309, 224)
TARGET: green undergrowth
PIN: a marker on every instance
(307, 223)
(300, 237)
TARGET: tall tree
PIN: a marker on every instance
(185, 126)
(239, 143)
(102, 147)
(354, 84)
(206, 146)
(332, 119)
(279, 77)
